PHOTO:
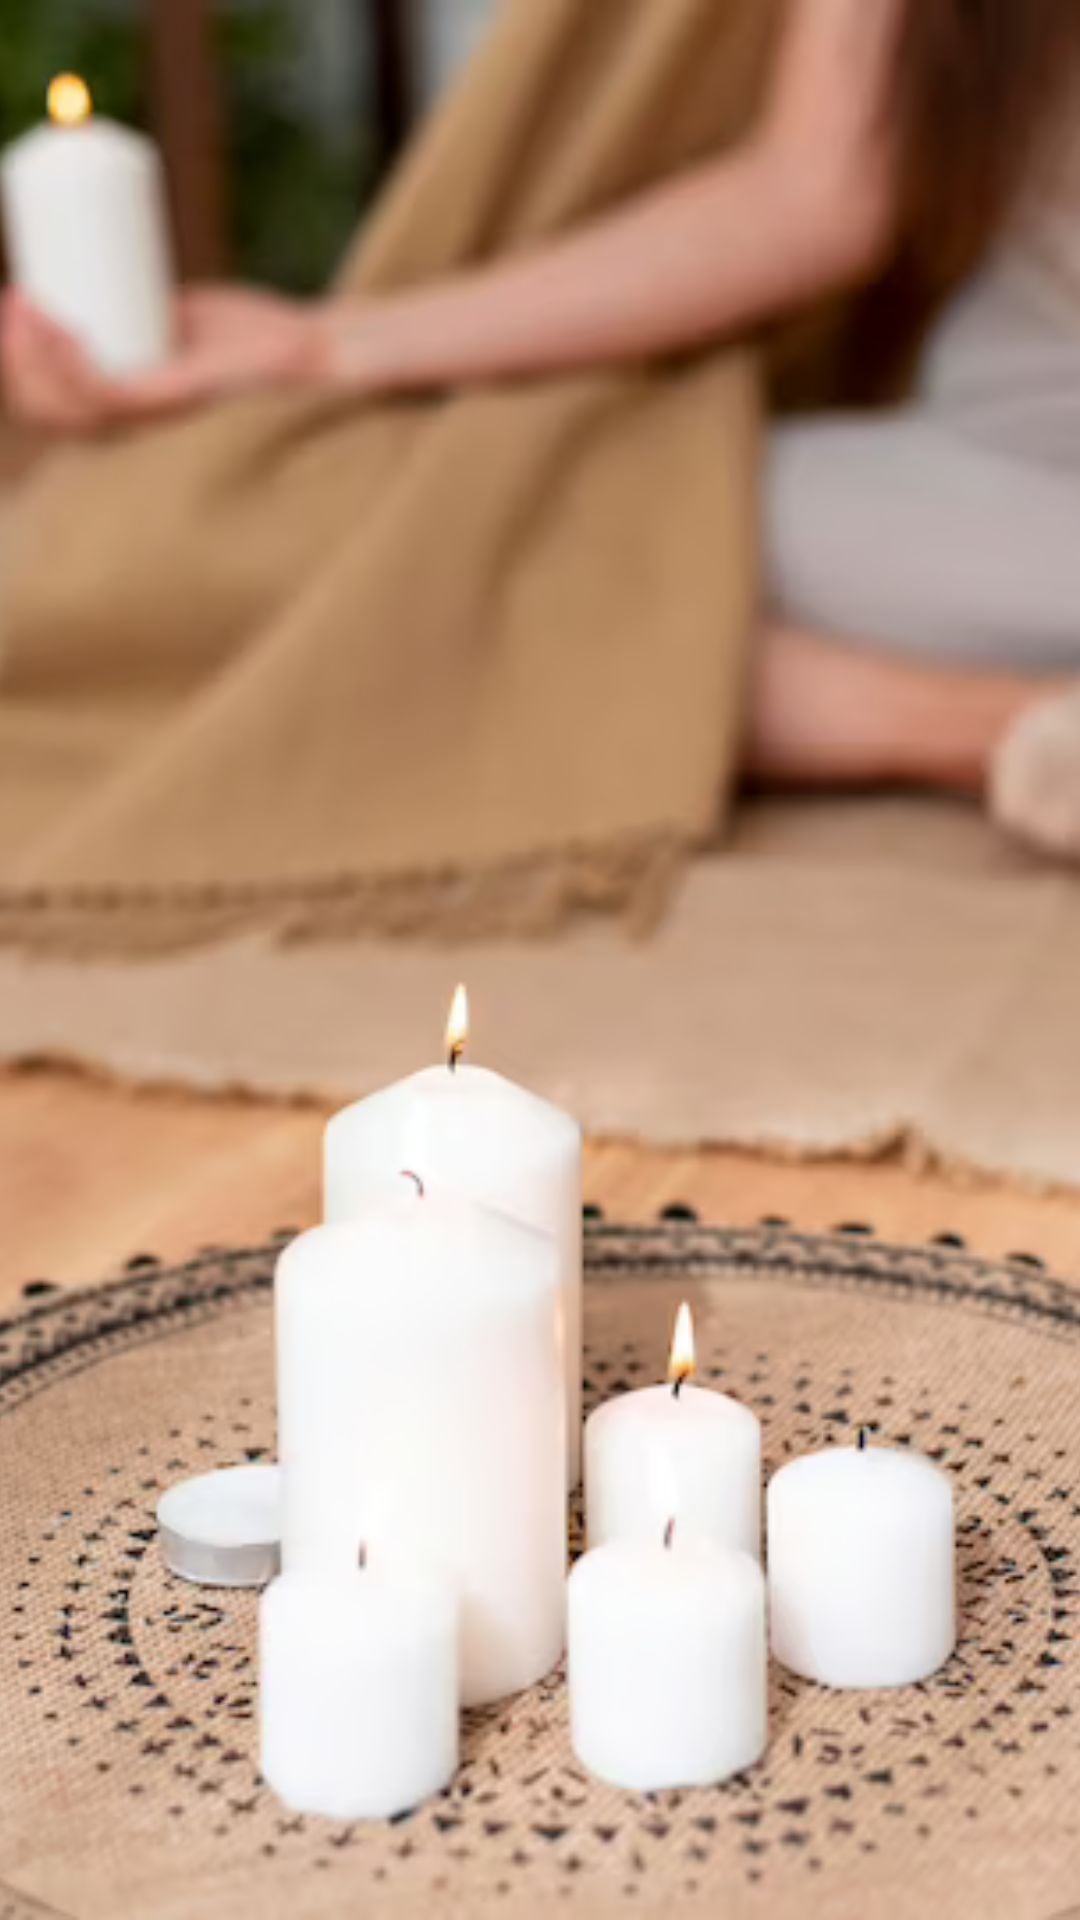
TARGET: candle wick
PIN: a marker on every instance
(669, 1535)
(454, 1056)
(678, 1384)
(361, 1557)
(864, 1439)
(407, 1174)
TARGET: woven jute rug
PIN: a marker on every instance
(845, 976)
(127, 1741)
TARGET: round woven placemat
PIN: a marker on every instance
(128, 1785)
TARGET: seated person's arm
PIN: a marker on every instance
(804, 205)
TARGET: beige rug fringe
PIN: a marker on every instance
(632, 878)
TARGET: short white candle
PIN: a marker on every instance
(358, 1692)
(667, 1663)
(473, 1132)
(862, 1566)
(678, 1450)
(421, 1402)
(87, 230)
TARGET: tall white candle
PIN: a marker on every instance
(87, 231)
(421, 1403)
(678, 1450)
(861, 1566)
(473, 1132)
(358, 1692)
(667, 1664)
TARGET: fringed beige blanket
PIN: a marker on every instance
(454, 665)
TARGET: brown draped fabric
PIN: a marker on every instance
(460, 663)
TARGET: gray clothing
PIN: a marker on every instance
(951, 527)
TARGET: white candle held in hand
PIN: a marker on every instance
(667, 1667)
(421, 1402)
(87, 231)
(678, 1450)
(472, 1132)
(358, 1692)
(861, 1566)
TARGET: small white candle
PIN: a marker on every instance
(678, 1450)
(667, 1667)
(472, 1132)
(358, 1692)
(223, 1529)
(421, 1402)
(87, 230)
(862, 1566)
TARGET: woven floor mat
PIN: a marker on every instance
(129, 1785)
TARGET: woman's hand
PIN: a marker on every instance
(229, 340)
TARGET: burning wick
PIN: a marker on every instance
(682, 1365)
(457, 1028)
(669, 1535)
(407, 1174)
(863, 1440)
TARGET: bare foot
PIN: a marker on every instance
(1035, 775)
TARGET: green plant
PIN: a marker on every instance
(51, 36)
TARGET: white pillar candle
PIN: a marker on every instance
(473, 1132)
(358, 1692)
(861, 1566)
(678, 1450)
(87, 230)
(667, 1667)
(421, 1403)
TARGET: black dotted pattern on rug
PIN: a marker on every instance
(168, 1669)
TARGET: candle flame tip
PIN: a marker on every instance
(69, 100)
(457, 1026)
(683, 1363)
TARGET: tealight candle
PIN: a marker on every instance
(223, 1529)
(472, 1132)
(679, 1450)
(862, 1566)
(87, 230)
(358, 1692)
(667, 1668)
(421, 1403)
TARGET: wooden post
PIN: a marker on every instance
(186, 99)
(391, 42)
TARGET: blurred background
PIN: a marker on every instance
(278, 117)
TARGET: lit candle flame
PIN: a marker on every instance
(457, 1027)
(69, 100)
(683, 1364)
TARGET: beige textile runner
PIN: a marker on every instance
(127, 1742)
(848, 975)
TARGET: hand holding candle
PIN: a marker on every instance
(679, 1450)
(87, 231)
